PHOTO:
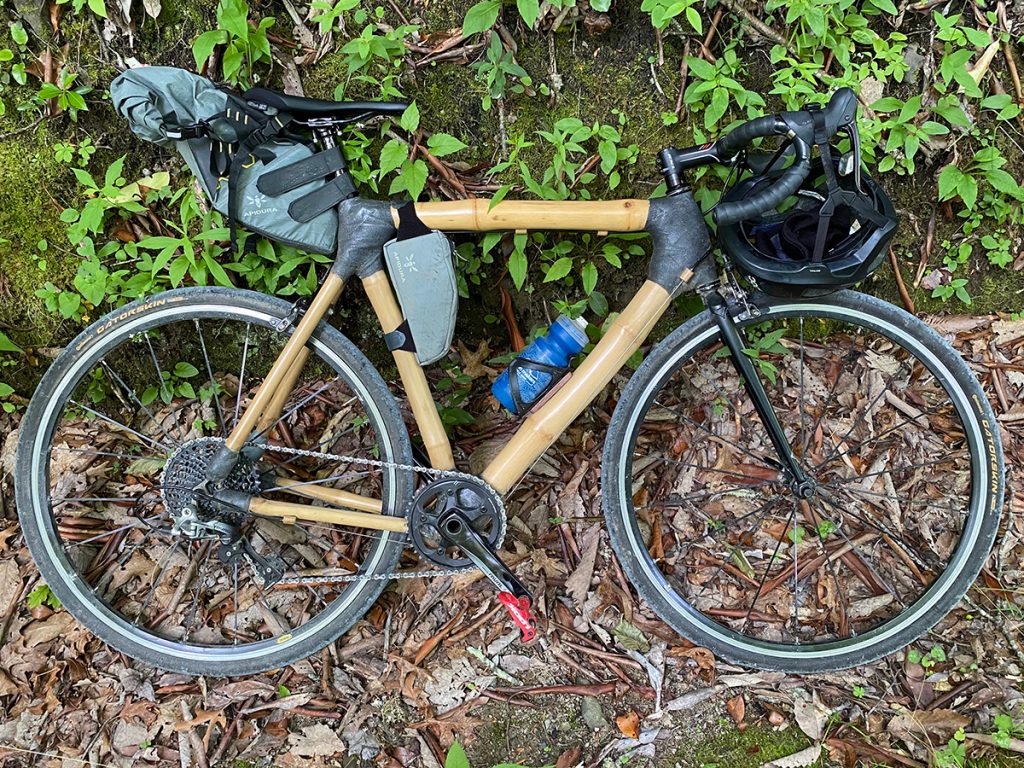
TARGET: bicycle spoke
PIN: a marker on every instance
(768, 506)
(162, 569)
(855, 478)
(119, 425)
(840, 592)
(131, 393)
(688, 420)
(241, 376)
(97, 537)
(163, 385)
(302, 403)
(213, 384)
(879, 436)
(764, 579)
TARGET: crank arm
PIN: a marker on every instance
(456, 530)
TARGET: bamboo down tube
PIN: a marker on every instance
(289, 512)
(259, 408)
(421, 401)
(543, 426)
(333, 496)
(577, 216)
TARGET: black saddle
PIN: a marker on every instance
(304, 109)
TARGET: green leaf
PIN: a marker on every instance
(441, 144)
(1003, 182)
(948, 181)
(631, 637)
(68, 303)
(6, 345)
(693, 17)
(589, 275)
(517, 267)
(456, 757)
(98, 7)
(558, 270)
(18, 33)
(203, 47)
(529, 10)
(601, 6)
(888, 6)
(393, 154)
(481, 17)
(410, 119)
(185, 370)
(233, 15)
(6, 390)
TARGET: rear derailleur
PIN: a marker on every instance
(233, 547)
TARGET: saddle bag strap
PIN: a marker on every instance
(312, 204)
(313, 168)
(245, 148)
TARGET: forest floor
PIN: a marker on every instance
(436, 661)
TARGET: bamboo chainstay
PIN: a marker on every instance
(433, 473)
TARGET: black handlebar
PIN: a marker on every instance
(802, 128)
(787, 184)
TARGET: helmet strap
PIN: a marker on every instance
(858, 203)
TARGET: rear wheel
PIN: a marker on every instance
(118, 435)
(902, 448)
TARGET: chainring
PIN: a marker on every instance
(473, 499)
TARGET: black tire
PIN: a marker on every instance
(38, 525)
(979, 532)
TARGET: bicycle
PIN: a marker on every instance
(801, 482)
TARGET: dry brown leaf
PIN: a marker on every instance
(316, 741)
(578, 584)
(473, 362)
(938, 725)
(737, 709)
(39, 632)
(799, 759)
(629, 724)
(10, 585)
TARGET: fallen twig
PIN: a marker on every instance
(908, 302)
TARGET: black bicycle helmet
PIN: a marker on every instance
(797, 248)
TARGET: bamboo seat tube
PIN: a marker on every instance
(435, 440)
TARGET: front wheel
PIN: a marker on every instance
(907, 482)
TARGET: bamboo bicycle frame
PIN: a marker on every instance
(537, 432)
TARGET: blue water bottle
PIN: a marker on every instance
(540, 366)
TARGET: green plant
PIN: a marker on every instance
(7, 347)
(715, 87)
(398, 155)
(66, 152)
(954, 754)
(331, 13)
(69, 97)
(174, 383)
(905, 133)
(96, 6)
(662, 13)
(499, 73)
(42, 595)
(245, 43)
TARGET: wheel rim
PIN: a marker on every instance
(737, 559)
(274, 638)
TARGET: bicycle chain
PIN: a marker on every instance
(430, 471)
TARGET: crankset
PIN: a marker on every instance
(458, 522)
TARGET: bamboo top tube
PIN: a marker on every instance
(577, 216)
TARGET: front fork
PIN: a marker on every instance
(732, 339)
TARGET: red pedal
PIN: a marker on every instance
(519, 609)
